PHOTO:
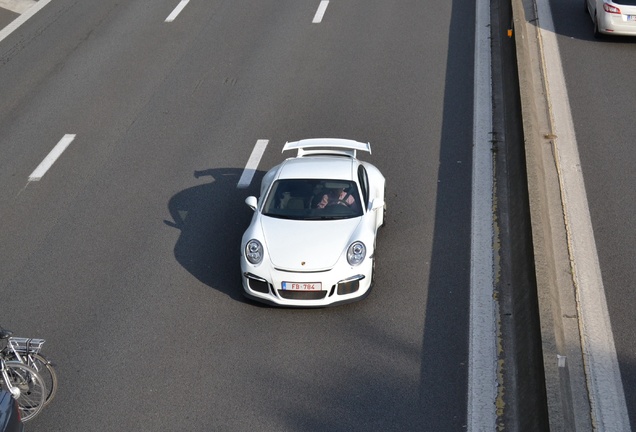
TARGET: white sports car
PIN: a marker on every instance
(311, 241)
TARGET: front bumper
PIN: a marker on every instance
(338, 285)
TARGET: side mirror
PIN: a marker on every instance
(376, 204)
(252, 202)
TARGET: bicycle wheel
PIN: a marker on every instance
(42, 366)
(32, 389)
(47, 373)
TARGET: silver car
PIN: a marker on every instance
(612, 17)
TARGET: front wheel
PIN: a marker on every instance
(32, 391)
(47, 373)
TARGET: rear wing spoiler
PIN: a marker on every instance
(327, 146)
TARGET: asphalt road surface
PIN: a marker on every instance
(124, 254)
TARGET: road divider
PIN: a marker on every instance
(582, 377)
(482, 349)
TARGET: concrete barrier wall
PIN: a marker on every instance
(566, 390)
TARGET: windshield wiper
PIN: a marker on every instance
(280, 216)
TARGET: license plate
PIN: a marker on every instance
(631, 17)
(302, 286)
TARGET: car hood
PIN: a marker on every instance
(307, 245)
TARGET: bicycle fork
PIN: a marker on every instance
(14, 390)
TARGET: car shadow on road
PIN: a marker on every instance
(212, 217)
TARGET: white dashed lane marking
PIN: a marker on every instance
(50, 159)
(177, 10)
(322, 7)
(252, 164)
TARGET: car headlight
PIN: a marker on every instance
(356, 253)
(254, 251)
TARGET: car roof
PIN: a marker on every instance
(319, 167)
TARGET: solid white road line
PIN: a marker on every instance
(482, 355)
(252, 164)
(322, 7)
(177, 10)
(22, 18)
(609, 408)
(51, 158)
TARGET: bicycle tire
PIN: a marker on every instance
(43, 366)
(47, 373)
(32, 389)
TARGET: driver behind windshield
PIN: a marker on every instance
(336, 196)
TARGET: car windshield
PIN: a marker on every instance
(312, 199)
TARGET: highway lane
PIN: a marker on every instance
(599, 90)
(124, 255)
